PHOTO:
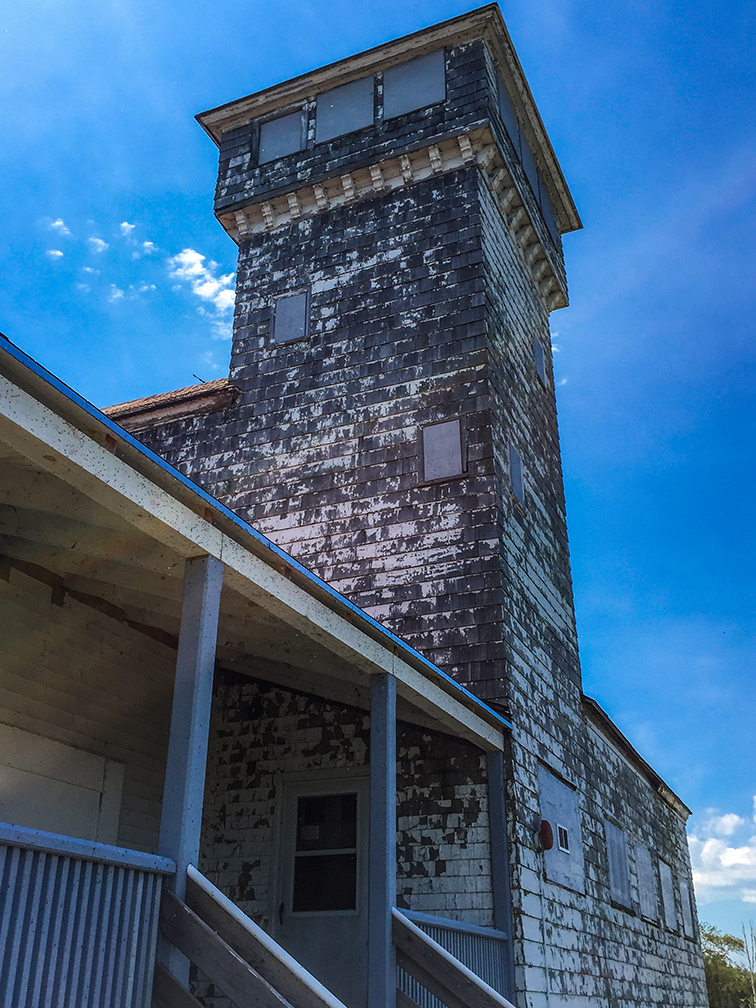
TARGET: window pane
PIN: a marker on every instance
(515, 475)
(414, 84)
(327, 822)
(442, 450)
(649, 898)
(346, 108)
(668, 895)
(528, 163)
(508, 114)
(290, 318)
(325, 882)
(540, 361)
(280, 137)
(619, 869)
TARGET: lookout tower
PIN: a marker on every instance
(390, 420)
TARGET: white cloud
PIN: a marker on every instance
(216, 291)
(189, 267)
(83, 287)
(222, 329)
(116, 294)
(721, 871)
(562, 381)
(724, 825)
(59, 226)
(149, 247)
(97, 244)
(88, 269)
(54, 254)
(127, 228)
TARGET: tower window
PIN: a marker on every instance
(515, 475)
(540, 359)
(442, 450)
(414, 84)
(291, 317)
(282, 136)
(563, 839)
(345, 109)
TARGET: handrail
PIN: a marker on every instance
(266, 956)
(88, 850)
(438, 971)
(234, 952)
(449, 924)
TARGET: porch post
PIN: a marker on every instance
(382, 848)
(502, 899)
(190, 718)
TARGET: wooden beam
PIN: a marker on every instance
(257, 948)
(168, 992)
(404, 1000)
(500, 877)
(56, 446)
(217, 960)
(190, 717)
(437, 970)
(382, 846)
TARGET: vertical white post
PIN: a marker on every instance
(190, 718)
(382, 865)
(502, 898)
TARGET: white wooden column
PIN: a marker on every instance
(382, 864)
(190, 718)
(502, 897)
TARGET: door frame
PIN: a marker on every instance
(289, 787)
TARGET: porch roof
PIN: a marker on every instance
(86, 505)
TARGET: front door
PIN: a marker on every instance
(321, 912)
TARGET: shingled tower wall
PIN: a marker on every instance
(396, 432)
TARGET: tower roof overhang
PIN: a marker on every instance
(484, 22)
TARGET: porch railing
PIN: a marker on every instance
(447, 963)
(235, 954)
(78, 921)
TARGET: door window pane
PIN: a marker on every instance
(327, 822)
(325, 858)
(325, 882)
(414, 84)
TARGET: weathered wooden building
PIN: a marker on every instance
(156, 652)
(389, 421)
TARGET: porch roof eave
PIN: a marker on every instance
(44, 420)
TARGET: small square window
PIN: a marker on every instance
(344, 109)
(291, 317)
(515, 475)
(282, 136)
(414, 84)
(563, 839)
(442, 452)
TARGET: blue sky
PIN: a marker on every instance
(117, 278)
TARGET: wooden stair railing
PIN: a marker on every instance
(233, 952)
(445, 977)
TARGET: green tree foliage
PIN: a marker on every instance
(728, 984)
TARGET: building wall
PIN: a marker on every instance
(71, 673)
(423, 310)
(261, 732)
